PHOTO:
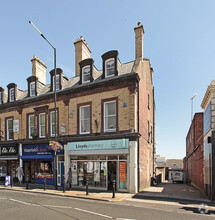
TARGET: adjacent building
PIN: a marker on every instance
(105, 122)
(208, 105)
(194, 160)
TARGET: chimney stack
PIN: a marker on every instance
(82, 52)
(39, 69)
(139, 32)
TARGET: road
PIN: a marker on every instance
(22, 205)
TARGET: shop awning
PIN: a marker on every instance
(36, 157)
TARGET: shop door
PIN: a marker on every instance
(60, 173)
(28, 171)
(111, 174)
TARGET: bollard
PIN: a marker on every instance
(44, 183)
(87, 191)
(64, 184)
(27, 182)
(114, 188)
(11, 184)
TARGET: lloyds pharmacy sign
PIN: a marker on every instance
(99, 145)
(8, 150)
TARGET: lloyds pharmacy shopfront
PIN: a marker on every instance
(101, 162)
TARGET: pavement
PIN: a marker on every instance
(165, 192)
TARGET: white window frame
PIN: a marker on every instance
(8, 138)
(83, 119)
(42, 125)
(83, 81)
(51, 123)
(106, 69)
(1, 101)
(10, 91)
(114, 129)
(29, 126)
(31, 90)
(57, 82)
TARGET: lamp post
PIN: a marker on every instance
(191, 99)
(55, 99)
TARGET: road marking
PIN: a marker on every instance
(19, 201)
(94, 213)
(25, 203)
(54, 206)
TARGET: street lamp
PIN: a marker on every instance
(55, 98)
(191, 99)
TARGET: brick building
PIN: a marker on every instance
(195, 152)
(105, 121)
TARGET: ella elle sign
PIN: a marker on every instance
(8, 150)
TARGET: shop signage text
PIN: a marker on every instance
(8, 150)
(39, 149)
(99, 145)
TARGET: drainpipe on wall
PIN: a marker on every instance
(138, 141)
(153, 134)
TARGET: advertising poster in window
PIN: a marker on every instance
(104, 167)
(96, 171)
(122, 171)
(89, 167)
(74, 172)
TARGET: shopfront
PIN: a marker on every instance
(100, 162)
(38, 162)
(8, 160)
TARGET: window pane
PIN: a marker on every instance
(86, 74)
(85, 126)
(10, 124)
(110, 122)
(43, 132)
(31, 120)
(110, 108)
(110, 68)
(42, 119)
(85, 119)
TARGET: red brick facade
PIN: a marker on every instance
(195, 153)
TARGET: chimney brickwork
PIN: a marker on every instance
(39, 69)
(82, 52)
(139, 33)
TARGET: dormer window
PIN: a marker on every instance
(110, 67)
(32, 89)
(86, 74)
(57, 82)
(110, 64)
(12, 95)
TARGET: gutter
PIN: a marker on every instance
(138, 140)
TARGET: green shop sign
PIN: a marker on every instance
(99, 145)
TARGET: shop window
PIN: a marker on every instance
(31, 126)
(12, 95)
(52, 123)
(94, 171)
(110, 67)
(32, 89)
(44, 168)
(57, 82)
(84, 120)
(9, 129)
(42, 125)
(86, 74)
(110, 116)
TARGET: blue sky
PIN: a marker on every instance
(179, 40)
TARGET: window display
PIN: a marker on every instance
(94, 171)
(3, 169)
(44, 168)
